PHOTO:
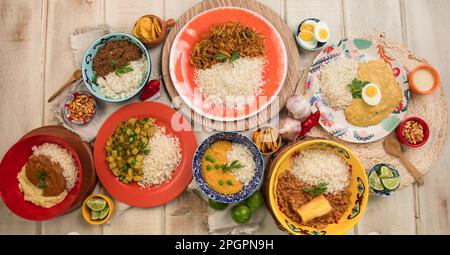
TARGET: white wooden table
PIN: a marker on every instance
(35, 59)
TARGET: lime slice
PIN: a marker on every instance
(95, 215)
(96, 204)
(103, 213)
(386, 172)
(375, 182)
(391, 183)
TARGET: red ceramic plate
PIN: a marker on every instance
(12, 163)
(133, 194)
(182, 72)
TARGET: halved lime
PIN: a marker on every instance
(391, 183)
(96, 204)
(386, 172)
(103, 213)
(95, 215)
(375, 182)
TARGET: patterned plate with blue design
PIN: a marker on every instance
(248, 189)
(333, 120)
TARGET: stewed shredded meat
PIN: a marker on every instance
(46, 175)
(224, 40)
(113, 55)
(291, 195)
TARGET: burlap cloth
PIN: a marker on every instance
(431, 108)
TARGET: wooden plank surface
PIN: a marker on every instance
(35, 34)
(427, 35)
(359, 20)
(21, 89)
(59, 65)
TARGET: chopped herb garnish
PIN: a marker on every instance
(235, 56)
(320, 188)
(146, 151)
(125, 168)
(356, 87)
(113, 63)
(234, 165)
(210, 159)
(221, 56)
(41, 177)
(94, 79)
(217, 166)
(124, 69)
(208, 167)
(220, 182)
(230, 182)
(133, 162)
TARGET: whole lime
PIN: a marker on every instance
(241, 213)
(217, 205)
(255, 200)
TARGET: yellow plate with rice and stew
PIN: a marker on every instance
(317, 187)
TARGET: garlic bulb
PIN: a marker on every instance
(290, 128)
(298, 107)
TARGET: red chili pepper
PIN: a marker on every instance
(150, 89)
(309, 123)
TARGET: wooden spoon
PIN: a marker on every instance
(392, 145)
(75, 76)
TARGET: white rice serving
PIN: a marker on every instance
(234, 84)
(241, 153)
(163, 158)
(116, 87)
(334, 80)
(61, 156)
(315, 165)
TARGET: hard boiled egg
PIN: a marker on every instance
(371, 94)
(322, 32)
(306, 34)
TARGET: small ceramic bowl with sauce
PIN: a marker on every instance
(424, 79)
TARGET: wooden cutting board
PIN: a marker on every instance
(289, 86)
(84, 152)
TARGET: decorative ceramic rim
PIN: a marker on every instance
(248, 189)
(334, 121)
(69, 98)
(359, 203)
(89, 56)
(220, 118)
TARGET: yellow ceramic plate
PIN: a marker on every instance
(358, 188)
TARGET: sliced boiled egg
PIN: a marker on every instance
(306, 34)
(371, 94)
(321, 32)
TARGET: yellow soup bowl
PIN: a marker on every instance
(358, 188)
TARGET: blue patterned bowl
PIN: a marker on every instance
(248, 189)
(88, 61)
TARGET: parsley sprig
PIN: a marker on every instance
(228, 167)
(320, 188)
(41, 175)
(356, 87)
(120, 69)
(220, 56)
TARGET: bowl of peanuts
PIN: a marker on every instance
(80, 107)
(413, 131)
